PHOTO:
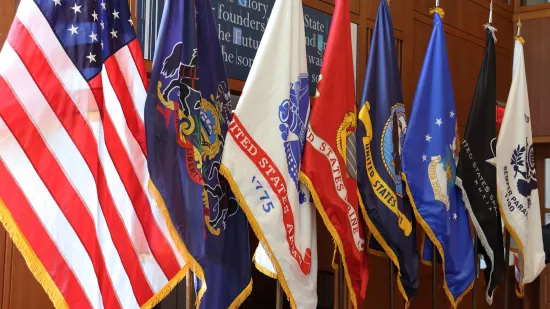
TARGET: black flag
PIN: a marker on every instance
(476, 171)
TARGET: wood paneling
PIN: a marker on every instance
(7, 12)
(537, 66)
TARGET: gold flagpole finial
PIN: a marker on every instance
(491, 13)
(518, 24)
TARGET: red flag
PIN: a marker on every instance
(329, 163)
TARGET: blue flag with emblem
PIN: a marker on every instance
(430, 155)
(381, 127)
(226, 263)
(173, 130)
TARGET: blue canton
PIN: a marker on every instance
(90, 31)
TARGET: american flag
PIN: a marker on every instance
(75, 194)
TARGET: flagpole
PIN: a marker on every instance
(491, 13)
(506, 262)
(434, 265)
(189, 290)
(341, 285)
(476, 275)
(392, 288)
(279, 297)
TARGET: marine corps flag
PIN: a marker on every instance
(430, 152)
(329, 168)
(380, 131)
(517, 179)
(227, 259)
(476, 174)
(263, 154)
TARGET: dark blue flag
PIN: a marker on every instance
(380, 133)
(173, 129)
(227, 260)
(430, 155)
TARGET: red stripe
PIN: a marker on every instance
(83, 138)
(58, 185)
(40, 242)
(131, 115)
(157, 242)
(137, 56)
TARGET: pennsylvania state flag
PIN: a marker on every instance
(430, 154)
(226, 263)
(380, 131)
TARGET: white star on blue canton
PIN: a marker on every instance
(102, 45)
(428, 138)
(76, 8)
(93, 36)
(113, 33)
(57, 2)
(452, 114)
(424, 157)
(102, 25)
(115, 14)
(91, 57)
(438, 121)
(73, 30)
(131, 21)
(103, 5)
(94, 15)
(455, 216)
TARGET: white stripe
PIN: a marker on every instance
(132, 78)
(47, 210)
(78, 89)
(71, 162)
(137, 158)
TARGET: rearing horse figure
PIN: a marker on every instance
(187, 79)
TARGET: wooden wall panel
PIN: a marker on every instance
(536, 33)
(7, 12)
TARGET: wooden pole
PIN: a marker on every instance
(341, 301)
(392, 285)
(506, 262)
(476, 275)
(279, 297)
(189, 290)
(434, 268)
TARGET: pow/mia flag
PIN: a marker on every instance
(476, 173)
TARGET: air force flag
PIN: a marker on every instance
(430, 154)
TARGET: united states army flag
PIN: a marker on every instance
(263, 153)
(516, 177)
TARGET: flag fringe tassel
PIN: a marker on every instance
(239, 300)
(33, 262)
(515, 236)
(191, 263)
(386, 248)
(435, 242)
(262, 269)
(374, 251)
(337, 240)
(258, 231)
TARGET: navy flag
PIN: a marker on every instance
(430, 154)
(476, 172)
(380, 132)
(227, 259)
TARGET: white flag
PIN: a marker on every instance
(263, 152)
(516, 176)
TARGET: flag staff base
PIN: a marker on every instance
(434, 265)
(506, 262)
(476, 274)
(279, 297)
(341, 303)
(392, 287)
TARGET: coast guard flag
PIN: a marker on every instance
(73, 174)
(380, 131)
(430, 152)
(263, 154)
(329, 166)
(517, 178)
(227, 259)
(174, 129)
(476, 174)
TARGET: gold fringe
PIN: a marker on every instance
(258, 231)
(193, 264)
(264, 270)
(435, 242)
(519, 294)
(386, 248)
(337, 240)
(333, 262)
(162, 293)
(33, 262)
(520, 39)
(242, 296)
(518, 242)
(439, 11)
